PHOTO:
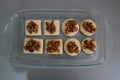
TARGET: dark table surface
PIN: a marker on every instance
(109, 70)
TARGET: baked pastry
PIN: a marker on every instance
(88, 27)
(33, 46)
(51, 27)
(33, 27)
(89, 45)
(54, 46)
(70, 27)
(72, 47)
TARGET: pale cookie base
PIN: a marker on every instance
(87, 51)
(64, 27)
(83, 30)
(35, 52)
(57, 24)
(60, 47)
(38, 22)
(77, 43)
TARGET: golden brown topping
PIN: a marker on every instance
(32, 45)
(50, 27)
(72, 47)
(32, 27)
(71, 26)
(89, 45)
(88, 26)
(53, 46)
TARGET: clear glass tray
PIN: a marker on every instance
(15, 35)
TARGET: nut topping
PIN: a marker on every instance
(50, 27)
(71, 26)
(32, 27)
(88, 26)
(72, 47)
(53, 46)
(32, 45)
(89, 45)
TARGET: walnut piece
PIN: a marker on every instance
(32, 27)
(72, 47)
(32, 45)
(53, 46)
(89, 45)
(71, 26)
(50, 27)
(88, 26)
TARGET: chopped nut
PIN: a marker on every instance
(89, 45)
(53, 46)
(32, 45)
(72, 47)
(50, 27)
(32, 27)
(71, 26)
(88, 26)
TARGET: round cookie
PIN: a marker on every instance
(89, 45)
(88, 27)
(77, 43)
(70, 33)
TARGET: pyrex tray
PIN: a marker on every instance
(16, 34)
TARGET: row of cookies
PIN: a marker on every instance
(70, 27)
(72, 46)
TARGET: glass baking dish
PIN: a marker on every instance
(15, 35)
